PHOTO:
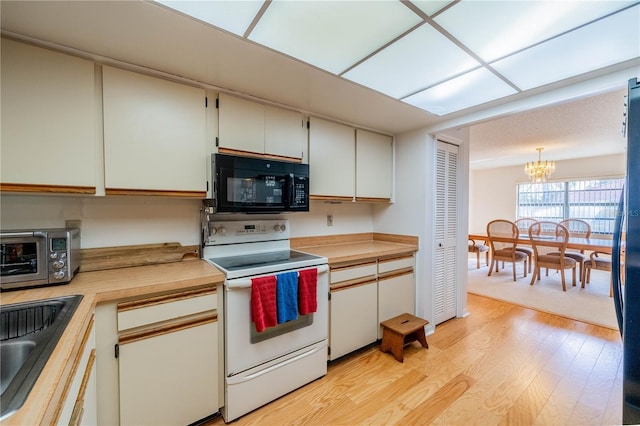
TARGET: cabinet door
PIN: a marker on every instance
(396, 295)
(80, 403)
(353, 318)
(154, 135)
(374, 166)
(164, 380)
(241, 124)
(48, 131)
(331, 160)
(284, 132)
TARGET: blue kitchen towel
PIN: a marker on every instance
(287, 296)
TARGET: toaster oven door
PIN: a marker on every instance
(23, 259)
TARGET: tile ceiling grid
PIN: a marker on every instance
(477, 63)
(458, 43)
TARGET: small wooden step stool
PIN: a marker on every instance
(400, 330)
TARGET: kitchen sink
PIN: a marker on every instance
(29, 333)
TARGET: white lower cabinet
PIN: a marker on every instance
(169, 376)
(160, 359)
(80, 404)
(353, 318)
(396, 288)
(353, 308)
(396, 295)
(364, 295)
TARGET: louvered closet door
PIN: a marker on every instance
(446, 225)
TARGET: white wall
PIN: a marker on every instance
(107, 221)
(493, 191)
(412, 211)
(117, 221)
(409, 214)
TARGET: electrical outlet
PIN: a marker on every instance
(329, 220)
(72, 223)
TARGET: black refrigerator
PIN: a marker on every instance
(627, 294)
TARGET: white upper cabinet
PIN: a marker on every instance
(250, 127)
(374, 166)
(284, 132)
(332, 160)
(241, 124)
(49, 116)
(154, 135)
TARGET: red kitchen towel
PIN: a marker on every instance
(307, 292)
(263, 302)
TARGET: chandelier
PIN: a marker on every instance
(540, 171)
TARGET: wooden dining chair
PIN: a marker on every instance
(503, 238)
(523, 225)
(558, 262)
(477, 248)
(601, 261)
(580, 229)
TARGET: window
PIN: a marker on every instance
(594, 201)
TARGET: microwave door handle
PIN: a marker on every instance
(23, 234)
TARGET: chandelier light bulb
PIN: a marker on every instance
(541, 170)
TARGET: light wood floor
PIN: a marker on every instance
(501, 365)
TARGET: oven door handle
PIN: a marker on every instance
(246, 282)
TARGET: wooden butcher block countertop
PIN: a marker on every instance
(98, 286)
(352, 248)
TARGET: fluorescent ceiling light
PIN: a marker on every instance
(430, 6)
(494, 29)
(233, 16)
(441, 56)
(332, 35)
(420, 59)
(607, 42)
(471, 89)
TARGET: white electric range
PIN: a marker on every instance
(262, 366)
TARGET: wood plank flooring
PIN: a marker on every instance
(501, 365)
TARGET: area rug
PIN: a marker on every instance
(591, 304)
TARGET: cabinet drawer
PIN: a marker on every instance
(348, 273)
(152, 310)
(388, 265)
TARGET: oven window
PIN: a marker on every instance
(19, 259)
(280, 329)
(256, 190)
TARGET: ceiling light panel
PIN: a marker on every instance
(494, 29)
(471, 89)
(418, 60)
(607, 42)
(233, 16)
(332, 35)
(430, 6)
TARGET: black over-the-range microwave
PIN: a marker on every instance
(257, 185)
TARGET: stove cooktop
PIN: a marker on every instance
(263, 263)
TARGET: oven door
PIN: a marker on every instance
(23, 259)
(245, 348)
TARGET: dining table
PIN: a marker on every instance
(575, 243)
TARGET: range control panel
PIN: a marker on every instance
(236, 232)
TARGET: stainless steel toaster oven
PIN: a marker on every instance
(37, 257)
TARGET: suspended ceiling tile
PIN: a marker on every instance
(233, 16)
(332, 35)
(494, 29)
(471, 89)
(430, 6)
(420, 59)
(606, 42)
